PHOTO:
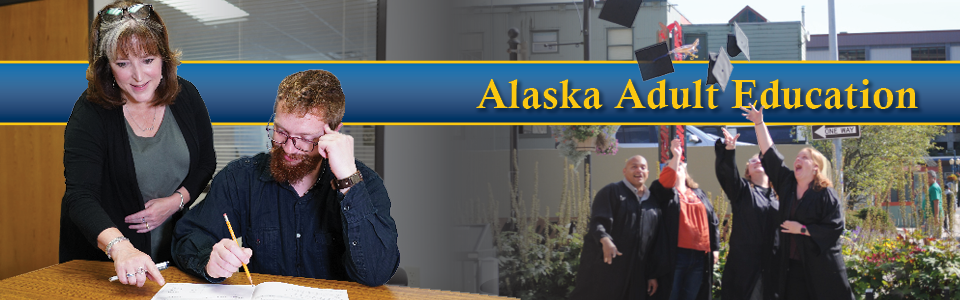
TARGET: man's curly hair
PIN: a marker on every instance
(312, 91)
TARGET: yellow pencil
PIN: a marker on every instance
(234, 236)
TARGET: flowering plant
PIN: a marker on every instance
(569, 138)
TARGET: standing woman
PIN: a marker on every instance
(751, 268)
(689, 238)
(811, 265)
(138, 147)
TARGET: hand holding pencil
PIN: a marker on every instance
(227, 256)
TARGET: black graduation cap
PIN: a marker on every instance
(719, 69)
(621, 12)
(737, 42)
(654, 60)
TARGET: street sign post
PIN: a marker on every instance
(825, 132)
(836, 133)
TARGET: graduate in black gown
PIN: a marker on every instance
(615, 262)
(811, 265)
(751, 268)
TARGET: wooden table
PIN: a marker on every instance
(88, 280)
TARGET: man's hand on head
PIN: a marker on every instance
(337, 148)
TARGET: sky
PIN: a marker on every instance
(853, 16)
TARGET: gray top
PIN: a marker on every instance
(162, 162)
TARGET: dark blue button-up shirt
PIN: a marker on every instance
(324, 234)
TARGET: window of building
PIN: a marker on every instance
(689, 38)
(637, 134)
(852, 54)
(619, 44)
(535, 131)
(928, 53)
(545, 41)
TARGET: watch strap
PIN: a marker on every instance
(346, 182)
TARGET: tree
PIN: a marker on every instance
(875, 163)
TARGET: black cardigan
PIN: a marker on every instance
(101, 181)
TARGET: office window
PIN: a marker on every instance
(545, 41)
(619, 44)
(852, 54)
(928, 53)
(273, 30)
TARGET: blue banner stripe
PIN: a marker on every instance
(449, 92)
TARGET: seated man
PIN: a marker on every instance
(306, 209)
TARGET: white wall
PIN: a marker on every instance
(818, 55)
(422, 178)
(890, 53)
(419, 30)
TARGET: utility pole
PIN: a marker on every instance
(834, 55)
(587, 4)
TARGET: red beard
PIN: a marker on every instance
(284, 171)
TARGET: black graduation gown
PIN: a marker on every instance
(617, 213)
(822, 213)
(666, 248)
(754, 237)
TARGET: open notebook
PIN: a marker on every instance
(263, 291)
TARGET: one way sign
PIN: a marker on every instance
(823, 132)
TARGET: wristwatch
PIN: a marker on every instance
(803, 229)
(347, 182)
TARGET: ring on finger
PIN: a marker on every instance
(141, 270)
(130, 275)
(148, 226)
(143, 219)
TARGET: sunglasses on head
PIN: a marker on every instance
(137, 11)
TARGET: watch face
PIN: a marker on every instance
(803, 230)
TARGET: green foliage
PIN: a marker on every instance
(539, 260)
(874, 163)
(873, 218)
(545, 270)
(905, 266)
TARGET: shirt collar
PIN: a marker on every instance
(646, 192)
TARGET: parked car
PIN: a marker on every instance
(645, 136)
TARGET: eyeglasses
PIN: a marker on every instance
(753, 161)
(279, 138)
(138, 11)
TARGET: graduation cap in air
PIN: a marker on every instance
(654, 60)
(719, 69)
(737, 42)
(621, 12)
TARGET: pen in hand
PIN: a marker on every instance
(234, 236)
(161, 266)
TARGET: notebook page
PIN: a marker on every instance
(190, 291)
(285, 291)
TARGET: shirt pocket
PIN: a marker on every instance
(265, 243)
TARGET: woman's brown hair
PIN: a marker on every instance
(125, 37)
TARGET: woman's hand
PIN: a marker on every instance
(794, 227)
(752, 114)
(134, 267)
(676, 149)
(156, 212)
(729, 141)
